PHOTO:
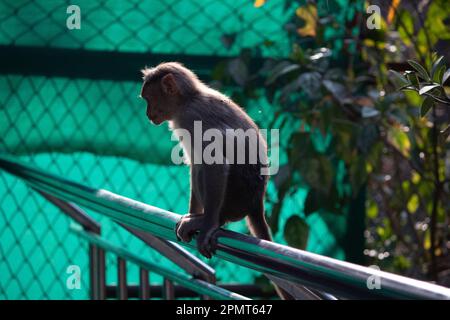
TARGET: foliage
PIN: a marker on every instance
(428, 83)
(346, 117)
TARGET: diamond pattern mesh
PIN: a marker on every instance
(95, 131)
(191, 27)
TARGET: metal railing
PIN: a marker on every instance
(296, 266)
(174, 252)
(198, 285)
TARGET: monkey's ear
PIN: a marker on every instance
(169, 84)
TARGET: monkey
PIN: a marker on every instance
(219, 192)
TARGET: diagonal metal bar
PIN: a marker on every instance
(96, 255)
(176, 253)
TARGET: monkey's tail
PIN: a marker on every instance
(259, 228)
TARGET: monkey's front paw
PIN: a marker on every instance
(207, 242)
(186, 229)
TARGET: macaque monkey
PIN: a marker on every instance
(220, 192)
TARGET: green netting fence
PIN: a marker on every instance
(93, 129)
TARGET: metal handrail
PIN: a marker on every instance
(189, 282)
(312, 270)
(174, 252)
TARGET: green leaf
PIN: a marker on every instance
(406, 28)
(439, 74)
(238, 71)
(398, 79)
(413, 203)
(421, 70)
(445, 76)
(437, 65)
(425, 89)
(426, 106)
(338, 90)
(369, 112)
(296, 232)
(372, 210)
(281, 69)
(412, 78)
(310, 83)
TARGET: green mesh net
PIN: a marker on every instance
(95, 131)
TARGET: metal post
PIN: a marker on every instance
(144, 285)
(93, 271)
(101, 282)
(168, 290)
(122, 279)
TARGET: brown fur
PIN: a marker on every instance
(219, 192)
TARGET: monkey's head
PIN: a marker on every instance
(165, 89)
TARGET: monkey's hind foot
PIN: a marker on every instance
(207, 242)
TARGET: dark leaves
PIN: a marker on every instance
(296, 232)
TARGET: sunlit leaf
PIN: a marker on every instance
(372, 210)
(259, 3)
(427, 241)
(436, 23)
(445, 76)
(439, 74)
(392, 10)
(369, 43)
(406, 28)
(406, 185)
(437, 65)
(413, 203)
(425, 89)
(400, 139)
(402, 262)
(308, 14)
(415, 178)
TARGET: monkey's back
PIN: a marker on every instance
(246, 185)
